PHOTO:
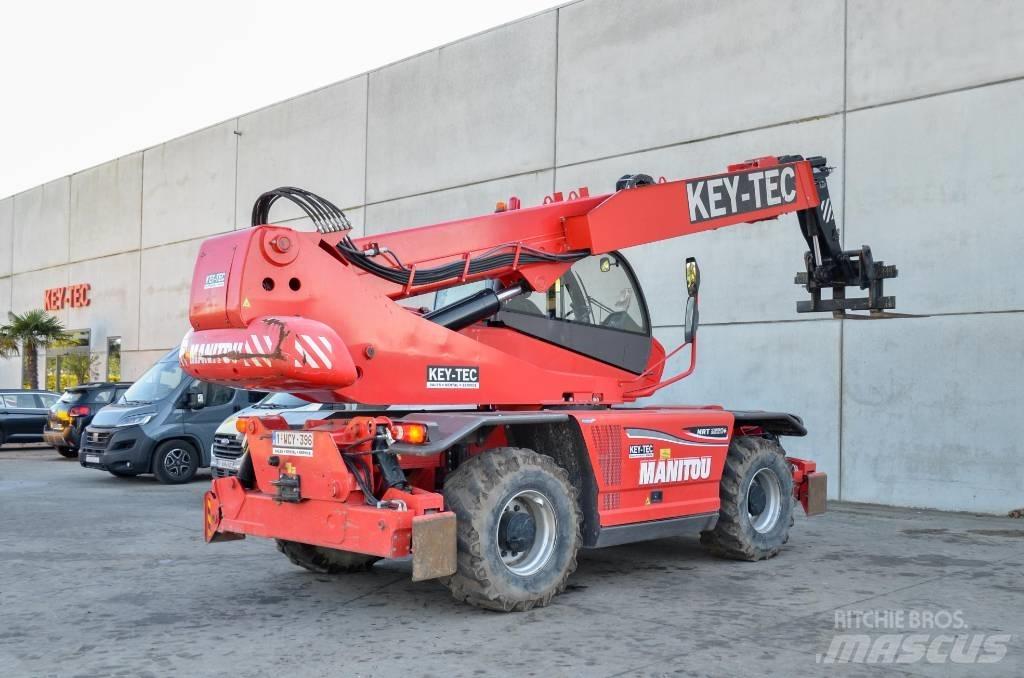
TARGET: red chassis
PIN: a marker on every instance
(539, 361)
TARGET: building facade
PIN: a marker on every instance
(918, 105)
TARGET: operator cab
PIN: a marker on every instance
(596, 309)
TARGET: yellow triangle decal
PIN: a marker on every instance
(245, 303)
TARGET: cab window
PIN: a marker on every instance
(598, 291)
(218, 395)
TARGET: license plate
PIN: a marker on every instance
(92, 459)
(293, 443)
(56, 426)
(226, 464)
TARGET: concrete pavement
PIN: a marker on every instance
(107, 576)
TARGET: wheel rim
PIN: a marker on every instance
(764, 500)
(514, 531)
(177, 462)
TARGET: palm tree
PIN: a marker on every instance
(24, 334)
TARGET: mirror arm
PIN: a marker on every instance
(650, 390)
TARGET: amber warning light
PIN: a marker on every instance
(414, 434)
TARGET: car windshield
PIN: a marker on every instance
(280, 401)
(157, 383)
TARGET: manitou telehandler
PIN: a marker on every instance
(521, 449)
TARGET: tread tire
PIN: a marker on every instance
(734, 536)
(166, 448)
(323, 560)
(67, 452)
(477, 491)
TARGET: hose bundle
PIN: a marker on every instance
(326, 216)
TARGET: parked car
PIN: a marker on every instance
(162, 425)
(226, 451)
(74, 411)
(23, 414)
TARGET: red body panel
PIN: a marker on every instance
(636, 453)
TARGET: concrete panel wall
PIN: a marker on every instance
(944, 174)
(751, 366)
(6, 236)
(106, 209)
(114, 299)
(316, 142)
(635, 75)
(188, 186)
(41, 226)
(916, 104)
(906, 49)
(165, 279)
(930, 408)
(27, 289)
(456, 203)
(478, 109)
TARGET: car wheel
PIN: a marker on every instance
(175, 462)
(67, 452)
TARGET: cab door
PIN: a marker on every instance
(596, 309)
(24, 416)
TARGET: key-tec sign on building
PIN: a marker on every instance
(74, 296)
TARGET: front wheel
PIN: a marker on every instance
(518, 529)
(757, 501)
(67, 452)
(175, 462)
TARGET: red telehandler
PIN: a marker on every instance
(523, 448)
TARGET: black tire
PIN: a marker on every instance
(122, 474)
(324, 560)
(175, 462)
(745, 502)
(67, 452)
(485, 493)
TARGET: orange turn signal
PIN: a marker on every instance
(414, 434)
(242, 424)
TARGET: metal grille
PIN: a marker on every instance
(608, 441)
(229, 447)
(97, 438)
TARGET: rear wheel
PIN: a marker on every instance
(175, 462)
(324, 560)
(757, 502)
(518, 529)
(67, 452)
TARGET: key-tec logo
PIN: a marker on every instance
(73, 296)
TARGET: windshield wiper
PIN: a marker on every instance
(136, 402)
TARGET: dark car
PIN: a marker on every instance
(23, 415)
(72, 413)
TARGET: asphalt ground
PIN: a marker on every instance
(101, 576)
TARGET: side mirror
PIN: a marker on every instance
(692, 277)
(196, 399)
(692, 286)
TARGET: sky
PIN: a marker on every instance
(85, 82)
